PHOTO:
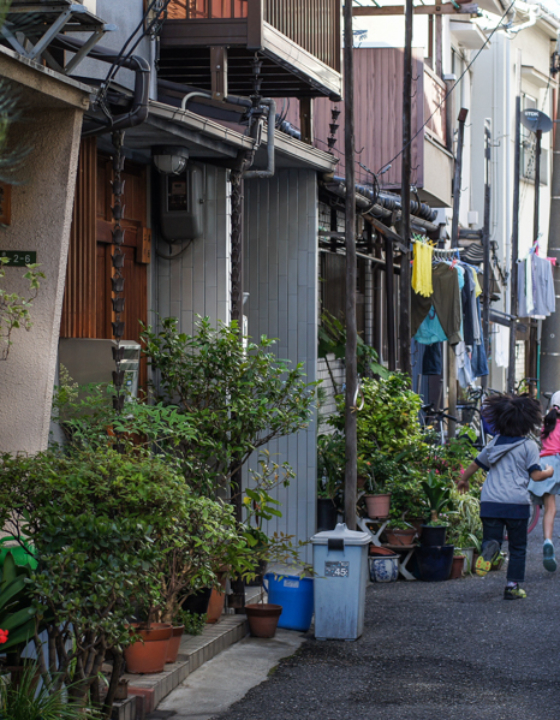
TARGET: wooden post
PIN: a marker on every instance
(486, 249)
(451, 359)
(306, 120)
(390, 297)
(514, 246)
(351, 479)
(439, 46)
(404, 277)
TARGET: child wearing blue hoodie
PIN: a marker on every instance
(511, 460)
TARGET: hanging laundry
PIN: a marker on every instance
(432, 363)
(447, 300)
(422, 268)
(536, 296)
(501, 345)
(478, 289)
(468, 303)
(464, 371)
(430, 331)
(479, 361)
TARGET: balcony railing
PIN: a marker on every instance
(313, 24)
(434, 106)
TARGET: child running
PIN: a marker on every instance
(511, 460)
(549, 489)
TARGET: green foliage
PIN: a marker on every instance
(95, 518)
(330, 466)
(388, 421)
(193, 622)
(438, 494)
(332, 344)
(26, 700)
(236, 396)
(465, 528)
(15, 308)
(18, 613)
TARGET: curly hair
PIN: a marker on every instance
(512, 415)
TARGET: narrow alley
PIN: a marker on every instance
(452, 651)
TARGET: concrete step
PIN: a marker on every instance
(145, 692)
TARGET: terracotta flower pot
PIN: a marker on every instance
(263, 619)
(457, 567)
(149, 656)
(174, 643)
(396, 536)
(216, 604)
(378, 506)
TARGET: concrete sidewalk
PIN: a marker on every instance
(227, 678)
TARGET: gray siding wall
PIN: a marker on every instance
(198, 283)
(281, 275)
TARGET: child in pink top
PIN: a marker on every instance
(549, 489)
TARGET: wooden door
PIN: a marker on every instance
(87, 310)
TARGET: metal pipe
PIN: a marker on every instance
(405, 279)
(486, 246)
(270, 143)
(514, 245)
(350, 419)
(139, 111)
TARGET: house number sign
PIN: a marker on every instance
(19, 258)
(337, 569)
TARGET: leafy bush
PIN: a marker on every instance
(95, 519)
(236, 396)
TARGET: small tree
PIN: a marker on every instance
(236, 396)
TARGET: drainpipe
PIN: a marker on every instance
(139, 111)
(269, 172)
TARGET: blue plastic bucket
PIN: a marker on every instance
(295, 595)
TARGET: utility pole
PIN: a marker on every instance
(550, 351)
(351, 471)
(404, 277)
(486, 245)
(451, 357)
(537, 185)
(514, 247)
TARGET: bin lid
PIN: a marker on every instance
(341, 532)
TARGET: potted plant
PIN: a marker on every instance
(438, 495)
(399, 532)
(458, 565)
(379, 471)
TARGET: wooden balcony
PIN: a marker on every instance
(298, 42)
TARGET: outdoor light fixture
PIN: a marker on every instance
(170, 160)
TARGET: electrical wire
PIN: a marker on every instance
(451, 89)
(179, 254)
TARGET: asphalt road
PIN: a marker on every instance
(430, 651)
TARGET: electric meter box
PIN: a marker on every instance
(182, 205)
(91, 361)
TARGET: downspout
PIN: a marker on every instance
(139, 111)
(270, 144)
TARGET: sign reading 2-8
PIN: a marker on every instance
(339, 569)
(19, 258)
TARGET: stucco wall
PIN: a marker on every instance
(41, 216)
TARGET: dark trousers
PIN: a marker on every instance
(493, 529)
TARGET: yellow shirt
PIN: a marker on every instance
(422, 269)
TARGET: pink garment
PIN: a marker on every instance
(551, 444)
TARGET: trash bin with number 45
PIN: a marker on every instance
(341, 574)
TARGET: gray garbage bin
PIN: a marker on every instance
(341, 575)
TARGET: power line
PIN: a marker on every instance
(461, 76)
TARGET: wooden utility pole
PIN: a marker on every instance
(514, 246)
(404, 277)
(537, 185)
(486, 247)
(351, 479)
(451, 358)
(390, 297)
